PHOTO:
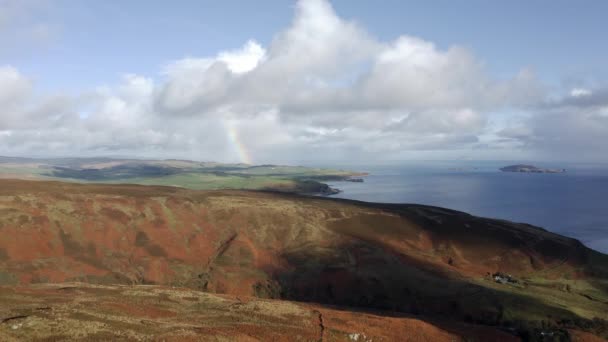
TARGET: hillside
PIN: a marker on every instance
(433, 264)
(74, 311)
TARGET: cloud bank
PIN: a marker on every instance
(323, 89)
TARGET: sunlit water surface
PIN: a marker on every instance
(574, 203)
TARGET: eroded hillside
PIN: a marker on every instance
(412, 259)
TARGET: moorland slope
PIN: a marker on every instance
(403, 259)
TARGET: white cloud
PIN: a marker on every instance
(323, 88)
(573, 127)
(580, 92)
(14, 87)
(317, 44)
(245, 59)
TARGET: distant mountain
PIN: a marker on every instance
(429, 263)
(529, 168)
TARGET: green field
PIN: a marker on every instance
(179, 173)
(210, 181)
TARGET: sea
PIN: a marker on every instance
(574, 203)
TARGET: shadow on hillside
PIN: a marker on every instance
(501, 229)
(363, 276)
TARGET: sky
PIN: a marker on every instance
(305, 81)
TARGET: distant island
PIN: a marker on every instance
(529, 169)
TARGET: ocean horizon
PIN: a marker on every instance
(571, 203)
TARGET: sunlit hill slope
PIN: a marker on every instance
(432, 263)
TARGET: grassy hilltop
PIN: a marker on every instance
(459, 274)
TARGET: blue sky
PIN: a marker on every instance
(527, 58)
(560, 40)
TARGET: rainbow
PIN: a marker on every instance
(233, 136)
